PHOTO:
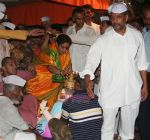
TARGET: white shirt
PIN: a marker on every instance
(122, 57)
(78, 52)
(10, 119)
(4, 49)
(96, 28)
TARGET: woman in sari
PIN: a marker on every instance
(50, 75)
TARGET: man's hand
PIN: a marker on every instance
(144, 93)
(144, 90)
(36, 32)
(89, 86)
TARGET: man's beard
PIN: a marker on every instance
(118, 27)
(18, 100)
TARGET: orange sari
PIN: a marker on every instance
(41, 85)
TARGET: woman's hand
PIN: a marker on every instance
(67, 71)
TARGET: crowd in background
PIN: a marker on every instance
(44, 59)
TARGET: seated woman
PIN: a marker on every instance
(51, 73)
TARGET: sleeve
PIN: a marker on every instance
(69, 30)
(93, 59)
(83, 40)
(141, 57)
(65, 110)
(13, 117)
(13, 34)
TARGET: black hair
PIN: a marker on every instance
(88, 6)
(63, 38)
(4, 60)
(57, 27)
(69, 19)
(21, 27)
(145, 7)
(77, 10)
(106, 22)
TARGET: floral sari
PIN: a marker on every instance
(46, 85)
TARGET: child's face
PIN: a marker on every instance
(64, 96)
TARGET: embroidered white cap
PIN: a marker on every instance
(1, 15)
(14, 80)
(9, 25)
(45, 18)
(104, 18)
(2, 7)
(117, 8)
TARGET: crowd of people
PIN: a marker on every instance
(76, 81)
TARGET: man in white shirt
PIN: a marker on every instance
(79, 50)
(123, 82)
(89, 13)
(11, 123)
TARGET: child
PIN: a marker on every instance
(84, 115)
(58, 128)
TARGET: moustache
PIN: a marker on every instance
(17, 100)
(115, 24)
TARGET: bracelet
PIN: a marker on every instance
(60, 72)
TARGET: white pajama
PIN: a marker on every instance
(25, 136)
(128, 116)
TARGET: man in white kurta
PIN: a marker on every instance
(89, 13)
(79, 50)
(12, 125)
(123, 72)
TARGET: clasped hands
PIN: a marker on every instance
(66, 72)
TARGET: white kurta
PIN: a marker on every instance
(78, 51)
(122, 57)
(96, 28)
(4, 49)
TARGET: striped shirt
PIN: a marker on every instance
(84, 115)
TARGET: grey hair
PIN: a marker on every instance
(10, 88)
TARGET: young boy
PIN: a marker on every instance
(84, 115)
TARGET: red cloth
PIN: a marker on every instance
(28, 110)
(26, 75)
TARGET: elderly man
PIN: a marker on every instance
(123, 82)
(12, 126)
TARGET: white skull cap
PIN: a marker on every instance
(9, 25)
(104, 18)
(14, 80)
(2, 7)
(45, 18)
(117, 8)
